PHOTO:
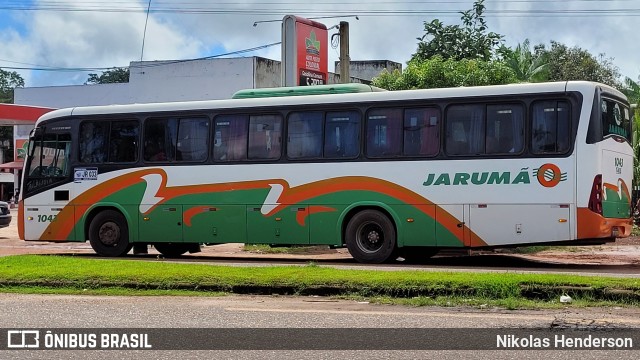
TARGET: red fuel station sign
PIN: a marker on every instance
(305, 53)
(312, 53)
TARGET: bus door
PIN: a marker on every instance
(283, 227)
(47, 186)
(162, 224)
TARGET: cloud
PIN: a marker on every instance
(597, 33)
(72, 39)
(96, 39)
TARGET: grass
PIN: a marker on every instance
(267, 249)
(71, 275)
(635, 230)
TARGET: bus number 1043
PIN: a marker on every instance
(47, 218)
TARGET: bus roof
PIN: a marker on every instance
(305, 90)
(338, 98)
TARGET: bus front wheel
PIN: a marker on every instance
(109, 234)
(371, 237)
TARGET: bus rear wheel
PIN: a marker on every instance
(371, 237)
(171, 250)
(109, 234)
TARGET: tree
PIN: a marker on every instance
(632, 90)
(526, 65)
(470, 41)
(113, 75)
(438, 72)
(9, 80)
(566, 63)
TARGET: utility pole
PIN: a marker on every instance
(345, 78)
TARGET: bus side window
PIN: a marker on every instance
(123, 143)
(384, 132)
(550, 127)
(193, 139)
(505, 129)
(342, 135)
(265, 135)
(304, 135)
(465, 130)
(230, 137)
(421, 132)
(93, 142)
(160, 136)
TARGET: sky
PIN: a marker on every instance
(93, 34)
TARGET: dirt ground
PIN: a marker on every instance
(622, 252)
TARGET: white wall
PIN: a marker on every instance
(160, 81)
(164, 81)
(152, 81)
(75, 95)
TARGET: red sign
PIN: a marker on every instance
(313, 58)
(11, 114)
(20, 149)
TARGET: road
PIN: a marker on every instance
(49, 311)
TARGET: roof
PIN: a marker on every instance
(11, 114)
(305, 90)
(350, 98)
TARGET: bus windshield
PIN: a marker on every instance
(50, 155)
(616, 119)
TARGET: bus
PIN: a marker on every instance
(385, 174)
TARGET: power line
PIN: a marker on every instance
(135, 3)
(198, 8)
(137, 66)
(144, 34)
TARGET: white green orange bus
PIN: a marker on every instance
(385, 174)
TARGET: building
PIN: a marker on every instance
(163, 81)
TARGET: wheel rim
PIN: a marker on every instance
(109, 233)
(370, 237)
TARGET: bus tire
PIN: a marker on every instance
(109, 234)
(371, 237)
(171, 250)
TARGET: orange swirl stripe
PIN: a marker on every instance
(60, 229)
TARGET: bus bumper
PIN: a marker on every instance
(594, 226)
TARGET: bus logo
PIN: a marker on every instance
(549, 175)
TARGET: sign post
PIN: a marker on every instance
(304, 52)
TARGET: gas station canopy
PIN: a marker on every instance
(11, 114)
